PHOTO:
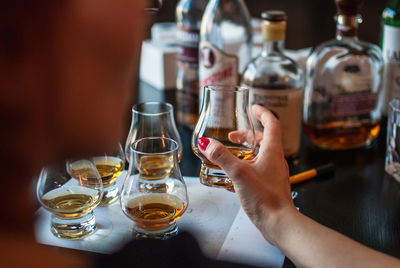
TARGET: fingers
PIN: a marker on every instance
(241, 136)
(272, 137)
(218, 154)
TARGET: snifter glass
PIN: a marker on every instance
(154, 195)
(153, 119)
(110, 166)
(70, 191)
(225, 117)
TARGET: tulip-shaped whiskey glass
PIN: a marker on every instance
(70, 191)
(110, 166)
(152, 119)
(154, 195)
(225, 117)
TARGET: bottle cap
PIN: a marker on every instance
(274, 15)
(348, 7)
(274, 25)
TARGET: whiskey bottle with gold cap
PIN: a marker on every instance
(343, 86)
(276, 82)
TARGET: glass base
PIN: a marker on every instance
(140, 233)
(73, 229)
(214, 177)
(111, 194)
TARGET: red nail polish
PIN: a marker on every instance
(203, 143)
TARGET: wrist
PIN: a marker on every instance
(278, 222)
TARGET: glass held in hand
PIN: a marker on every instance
(154, 195)
(153, 119)
(110, 166)
(70, 191)
(225, 117)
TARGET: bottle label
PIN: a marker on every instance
(391, 53)
(217, 67)
(286, 105)
(188, 45)
(353, 104)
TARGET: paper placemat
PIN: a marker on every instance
(209, 218)
(245, 244)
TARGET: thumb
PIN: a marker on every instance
(218, 154)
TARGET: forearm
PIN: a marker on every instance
(310, 244)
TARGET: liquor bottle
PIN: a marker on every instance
(225, 42)
(342, 96)
(390, 44)
(188, 18)
(276, 82)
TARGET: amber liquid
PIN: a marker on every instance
(155, 212)
(342, 135)
(109, 169)
(243, 153)
(220, 179)
(69, 206)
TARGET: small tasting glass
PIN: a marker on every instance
(152, 119)
(225, 117)
(154, 195)
(110, 166)
(70, 191)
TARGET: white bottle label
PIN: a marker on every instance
(286, 105)
(391, 54)
(218, 68)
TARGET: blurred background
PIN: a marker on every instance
(310, 21)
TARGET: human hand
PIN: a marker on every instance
(263, 184)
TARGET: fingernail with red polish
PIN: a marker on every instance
(203, 143)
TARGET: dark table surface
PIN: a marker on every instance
(360, 201)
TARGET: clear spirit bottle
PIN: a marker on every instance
(343, 86)
(225, 48)
(390, 44)
(188, 18)
(225, 42)
(276, 82)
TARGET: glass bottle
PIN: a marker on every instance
(276, 82)
(225, 42)
(390, 43)
(343, 86)
(188, 20)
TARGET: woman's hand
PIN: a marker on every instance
(264, 191)
(263, 184)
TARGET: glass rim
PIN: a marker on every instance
(230, 88)
(133, 150)
(394, 104)
(160, 103)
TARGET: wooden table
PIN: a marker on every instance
(360, 200)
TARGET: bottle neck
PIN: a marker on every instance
(273, 47)
(347, 27)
